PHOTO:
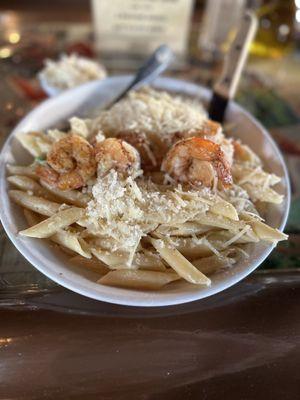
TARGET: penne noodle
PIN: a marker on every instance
(22, 170)
(28, 184)
(266, 232)
(56, 134)
(225, 209)
(70, 241)
(66, 239)
(38, 144)
(219, 221)
(51, 225)
(180, 264)
(223, 236)
(267, 195)
(191, 249)
(184, 229)
(115, 260)
(68, 196)
(262, 230)
(137, 279)
(209, 265)
(91, 264)
(34, 203)
(148, 260)
(255, 176)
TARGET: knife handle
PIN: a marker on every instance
(236, 57)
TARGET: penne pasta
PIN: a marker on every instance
(209, 265)
(184, 229)
(268, 195)
(73, 197)
(180, 264)
(28, 184)
(266, 232)
(38, 144)
(91, 264)
(115, 260)
(193, 249)
(136, 279)
(225, 209)
(223, 236)
(22, 170)
(56, 134)
(220, 221)
(51, 225)
(148, 260)
(65, 238)
(254, 175)
(71, 241)
(34, 203)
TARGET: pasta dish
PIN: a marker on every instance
(149, 192)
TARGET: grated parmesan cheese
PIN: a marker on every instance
(127, 209)
(70, 71)
(124, 210)
(150, 111)
(81, 127)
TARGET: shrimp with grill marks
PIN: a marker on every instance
(197, 161)
(113, 153)
(70, 163)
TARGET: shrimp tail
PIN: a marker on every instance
(224, 172)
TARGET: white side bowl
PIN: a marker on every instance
(50, 90)
(55, 264)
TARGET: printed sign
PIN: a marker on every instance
(139, 26)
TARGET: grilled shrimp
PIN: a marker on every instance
(71, 163)
(113, 153)
(197, 161)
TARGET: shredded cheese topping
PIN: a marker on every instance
(128, 209)
(71, 71)
(150, 111)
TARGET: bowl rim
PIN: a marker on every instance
(129, 300)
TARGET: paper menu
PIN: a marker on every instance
(139, 26)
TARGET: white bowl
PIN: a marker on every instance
(55, 264)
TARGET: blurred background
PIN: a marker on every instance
(121, 33)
